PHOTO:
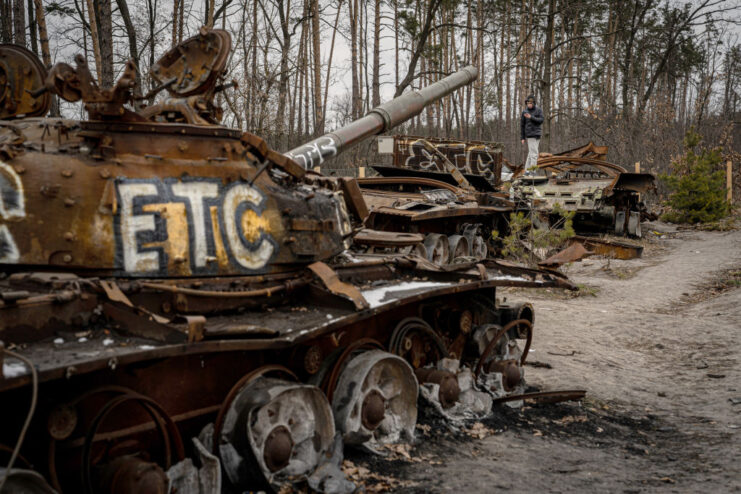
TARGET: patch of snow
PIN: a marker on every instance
(81, 339)
(383, 295)
(58, 341)
(108, 342)
(506, 277)
(329, 316)
(146, 347)
(13, 369)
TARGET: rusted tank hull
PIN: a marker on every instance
(463, 221)
(85, 372)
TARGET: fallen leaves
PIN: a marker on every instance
(570, 419)
(424, 428)
(479, 431)
(400, 451)
(372, 481)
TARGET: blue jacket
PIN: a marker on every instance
(531, 127)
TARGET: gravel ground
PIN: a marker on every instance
(655, 341)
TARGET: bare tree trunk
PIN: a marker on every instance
(32, 29)
(105, 31)
(94, 36)
(253, 78)
(430, 13)
(301, 71)
(546, 84)
(377, 53)
(43, 35)
(181, 14)
(478, 95)
(123, 9)
(283, 12)
(396, 43)
(363, 52)
(318, 113)
(329, 62)
(210, 7)
(152, 11)
(353, 5)
(6, 17)
(175, 11)
(19, 23)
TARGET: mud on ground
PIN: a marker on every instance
(658, 351)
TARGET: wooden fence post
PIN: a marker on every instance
(638, 170)
(361, 172)
(729, 182)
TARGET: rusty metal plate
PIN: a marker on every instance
(194, 64)
(574, 252)
(21, 77)
(381, 238)
(615, 249)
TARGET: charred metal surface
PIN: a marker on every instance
(603, 195)
(615, 249)
(21, 84)
(457, 222)
(574, 252)
(470, 158)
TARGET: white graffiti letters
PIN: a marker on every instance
(142, 231)
(314, 153)
(132, 224)
(12, 207)
(238, 196)
(195, 193)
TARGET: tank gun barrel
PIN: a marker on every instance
(379, 120)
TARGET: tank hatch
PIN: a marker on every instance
(21, 84)
(194, 66)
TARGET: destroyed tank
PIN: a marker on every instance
(178, 311)
(443, 194)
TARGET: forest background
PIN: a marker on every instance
(635, 75)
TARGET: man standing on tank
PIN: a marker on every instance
(531, 121)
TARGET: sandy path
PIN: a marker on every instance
(654, 420)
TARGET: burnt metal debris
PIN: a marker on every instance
(445, 191)
(451, 200)
(481, 163)
(605, 197)
(178, 301)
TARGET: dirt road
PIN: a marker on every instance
(658, 351)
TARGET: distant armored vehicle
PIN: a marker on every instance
(605, 197)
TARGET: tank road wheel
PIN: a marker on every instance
(478, 247)
(416, 342)
(459, 247)
(129, 473)
(502, 360)
(114, 465)
(476, 241)
(438, 250)
(270, 429)
(416, 249)
(375, 400)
